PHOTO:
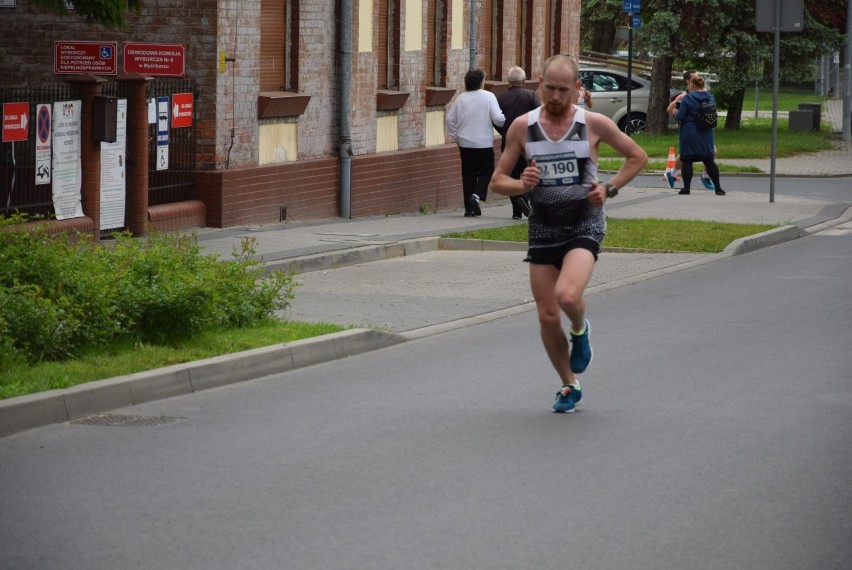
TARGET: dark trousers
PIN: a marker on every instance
(477, 167)
(709, 165)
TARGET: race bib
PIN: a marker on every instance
(558, 169)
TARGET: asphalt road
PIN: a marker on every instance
(714, 433)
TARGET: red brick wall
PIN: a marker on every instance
(255, 195)
(382, 184)
(403, 181)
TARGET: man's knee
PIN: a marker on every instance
(569, 298)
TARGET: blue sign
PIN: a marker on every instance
(106, 52)
(162, 121)
(631, 6)
(636, 21)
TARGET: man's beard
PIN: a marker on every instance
(556, 109)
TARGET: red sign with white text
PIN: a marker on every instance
(165, 60)
(85, 57)
(16, 117)
(182, 104)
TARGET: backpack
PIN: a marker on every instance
(706, 119)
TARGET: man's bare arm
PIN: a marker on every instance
(602, 129)
(502, 181)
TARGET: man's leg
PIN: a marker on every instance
(556, 292)
(672, 176)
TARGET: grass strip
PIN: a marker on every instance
(123, 358)
(645, 234)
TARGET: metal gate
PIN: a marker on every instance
(18, 189)
(177, 183)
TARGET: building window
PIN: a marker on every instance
(436, 43)
(279, 41)
(388, 56)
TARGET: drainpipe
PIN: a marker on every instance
(345, 182)
(472, 35)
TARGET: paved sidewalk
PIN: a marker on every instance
(395, 274)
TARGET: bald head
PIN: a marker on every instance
(561, 63)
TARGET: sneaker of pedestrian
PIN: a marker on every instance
(581, 350)
(516, 216)
(720, 192)
(671, 178)
(567, 398)
(474, 205)
(526, 209)
(684, 192)
(707, 182)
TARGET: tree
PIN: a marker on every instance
(600, 22)
(720, 36)
(674, 30)
(109, 13)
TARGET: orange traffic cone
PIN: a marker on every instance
(670, 163)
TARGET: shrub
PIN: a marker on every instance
(57, 297)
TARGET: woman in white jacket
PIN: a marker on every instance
(470, 124)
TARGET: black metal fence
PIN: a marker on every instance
(177, 182)
(19, 190)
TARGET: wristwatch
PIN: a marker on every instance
(611, 190)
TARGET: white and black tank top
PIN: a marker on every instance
(561, 209)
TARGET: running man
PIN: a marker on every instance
(560, 143)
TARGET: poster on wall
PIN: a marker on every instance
(67, 169)
(113, 185)
(44, 130)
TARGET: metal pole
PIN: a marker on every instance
(472, 34)
(756, 84)
(345, 172)
(847, 76)
(628, 126)
(775, 72)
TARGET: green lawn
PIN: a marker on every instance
(752, 140)
(645, 234)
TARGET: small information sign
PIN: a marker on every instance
(162, 133)
(85, 57)
(182, 104)
(165, 60)
(16, 117)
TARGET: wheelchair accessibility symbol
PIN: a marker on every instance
(106, 52)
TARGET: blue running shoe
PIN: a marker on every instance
(707, 182)
(671, 178)
(567, 399)
(581, 350)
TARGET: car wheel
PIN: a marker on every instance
(637, 124)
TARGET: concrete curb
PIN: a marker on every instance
(57, 406)
(354, 256)
(763, 239)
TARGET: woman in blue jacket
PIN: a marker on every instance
(696, 145)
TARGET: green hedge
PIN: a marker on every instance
(58, 296)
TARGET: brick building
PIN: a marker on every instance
(271, 78)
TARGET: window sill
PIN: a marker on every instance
(281, 104)
(439, 95)
(387, 100)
